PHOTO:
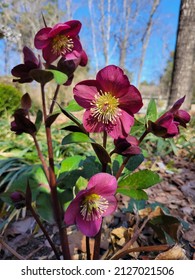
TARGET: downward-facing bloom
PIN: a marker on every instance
(110, 102)
(127, 146)
(167, 125)
(68, 66)
(60, 40)
(93, 203)
(21, 124)
(22, 71)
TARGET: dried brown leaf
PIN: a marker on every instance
(175, 253)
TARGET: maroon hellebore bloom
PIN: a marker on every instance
(61, 40)
(127, 146)
(110, 102)
(22, 124)
(22, 70)
(68, 66)
(167, 126)
(90, 205)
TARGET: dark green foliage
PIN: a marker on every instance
(9, 99)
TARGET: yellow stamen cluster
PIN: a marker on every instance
(105, 107)
(93, 206)
(62, 44)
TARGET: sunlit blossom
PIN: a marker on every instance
(110, 102)
(90, 205)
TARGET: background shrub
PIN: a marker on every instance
(9, 99)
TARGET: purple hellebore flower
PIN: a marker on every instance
(68, 66)
(127, 146)
(61, 40)
(90, 205)
(167, 126)
(21, 71)
(22, 124)
(110, 102)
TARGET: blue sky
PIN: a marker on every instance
(162, 40)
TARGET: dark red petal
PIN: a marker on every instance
(112, 79)
(41, 38)
(85, 91)
(103, 184)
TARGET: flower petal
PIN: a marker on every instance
(74, 209)
(88, 228)
(112, 202)
(177, 105)
(41, 38)
(29, 56)
(90, 123)
(131, 100)
(48, 55)
(85, 91)
(112, 79)
(104, 184)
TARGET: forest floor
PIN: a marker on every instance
(162, 228)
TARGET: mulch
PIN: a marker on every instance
(173, 197)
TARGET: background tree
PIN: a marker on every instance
(182, 78)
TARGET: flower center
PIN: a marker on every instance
(93, 206)
(105, 107)
(62, 44)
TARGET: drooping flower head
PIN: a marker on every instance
(167, 126)
(127, 146)
(22, 71)
(68, 66)
(93, 203)
(60, 40)
(110, 102)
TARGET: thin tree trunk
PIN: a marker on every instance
(145, 39)
(184, 59)
(93, 29)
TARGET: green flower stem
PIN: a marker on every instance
(119, 172)
(53, 186)
(54, 99)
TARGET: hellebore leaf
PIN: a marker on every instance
(73, 106)
(132, 185)
(51, 118)
(59, 77)
(76, 137)
(39, 119)
(151, 114)
(41, 76)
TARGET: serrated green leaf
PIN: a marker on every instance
(59, 77)
(142, 179)
(73, 106)
(76, 137)
(136, 194)
(151, 113)
(44, 207)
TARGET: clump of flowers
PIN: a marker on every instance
(83, 192)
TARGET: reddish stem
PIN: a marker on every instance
(53, 186)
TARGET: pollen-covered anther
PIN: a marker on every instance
(105, 107)
(93, 207)
(62, 44)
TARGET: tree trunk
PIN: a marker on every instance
(184, 59)
(145, 39)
